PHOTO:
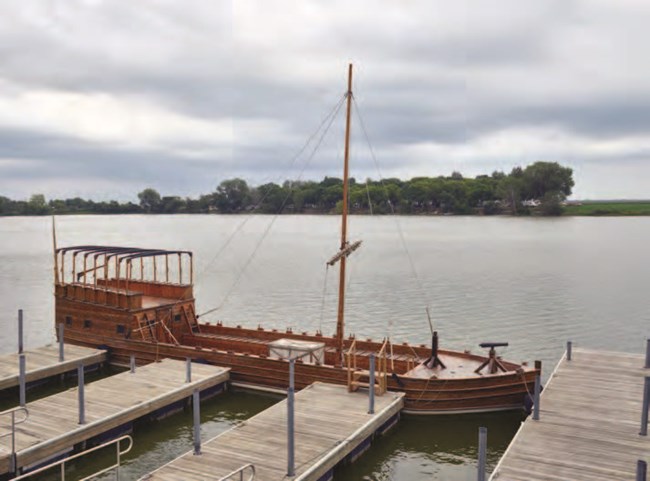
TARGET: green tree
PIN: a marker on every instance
(149, 200)
(232, 195)
(542, 177)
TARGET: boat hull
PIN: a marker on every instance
(503, 391)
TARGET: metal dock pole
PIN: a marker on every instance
(645, 407)
(82, 401)
(482, 453)
(647, 353)
(61, 343)
(641, 470)
(132, 363)
(188, 370)
(371, 385)
(20, 331)
(291, 469)
(538, 389)
(21, 378)
(569, 348)
(196, 411)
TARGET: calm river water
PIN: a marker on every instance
(532, 282)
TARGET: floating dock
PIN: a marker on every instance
(43, 363)
(52, 428)
(331, 425)
(590, 419)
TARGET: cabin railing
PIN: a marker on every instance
(118, 462)
(240, 471)
(14, 422)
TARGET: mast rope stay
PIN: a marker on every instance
(329, 120)
(414, 272)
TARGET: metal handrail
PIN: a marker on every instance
(240, 471)
(12, 433)
(119, 453)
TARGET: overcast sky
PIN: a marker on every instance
(101, 99)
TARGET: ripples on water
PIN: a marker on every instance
(532, 282)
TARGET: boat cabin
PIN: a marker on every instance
(126, 292)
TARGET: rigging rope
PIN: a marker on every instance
(331, 118)
(357, 111)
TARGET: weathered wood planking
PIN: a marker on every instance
(52, 426)
(43, 363)
(589, 424)
(330, 423)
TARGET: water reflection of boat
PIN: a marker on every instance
(141, 301)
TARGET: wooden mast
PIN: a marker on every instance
(340, 324)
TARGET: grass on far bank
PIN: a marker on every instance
(609, 208)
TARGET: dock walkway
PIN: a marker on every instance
(590, 418)
(43, 363)
(330, 425)
(53, 428)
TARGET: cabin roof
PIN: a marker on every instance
(124, 252)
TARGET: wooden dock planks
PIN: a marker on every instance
(589, 423)
(330, 423)
(52, 426)
(43, 362)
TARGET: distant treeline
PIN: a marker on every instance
(539, 188)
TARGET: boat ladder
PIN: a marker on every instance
(358, 377)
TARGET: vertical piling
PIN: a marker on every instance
(641, 470)
(482, 453)
(569, 349)
(196, 411)
(188, 370)
(647, 353)
(20, 331)
(61, 343)
(21, 378)
(80, 392)
(132, 363)
(291, 471)
(371, 386)
(538, 391)
(645, 407)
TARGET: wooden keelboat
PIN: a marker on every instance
(140, 302)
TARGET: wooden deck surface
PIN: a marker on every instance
(43, 362)
(52, 426)
(329, 423)
(589, 424)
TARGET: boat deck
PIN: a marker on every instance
(590, 413)
(456, 366)
(43, 363)
(330, 425)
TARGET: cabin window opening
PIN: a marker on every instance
(87, 323)
(120, 329)
(68, 320)
(177, 318)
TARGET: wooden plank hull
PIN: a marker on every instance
(424, 396)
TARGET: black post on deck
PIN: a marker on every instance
(538, 392)
(641, 470)
(61, 343)
(647, 354)
(482, 453)
(196, 411)
(291, 446)
(81, 397)
(645, 407)
(569, 350)
(21, 379)
(20, 331)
